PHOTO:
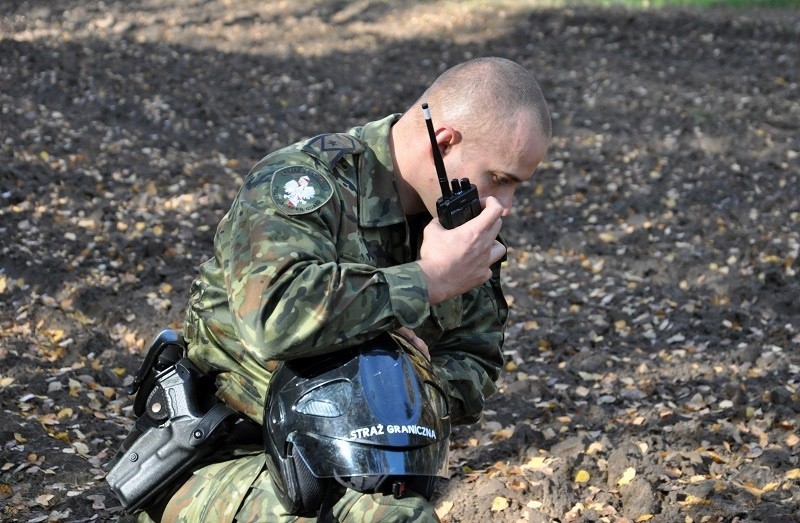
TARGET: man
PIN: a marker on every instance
(331, 241)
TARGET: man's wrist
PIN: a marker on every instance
(436, 291)
(408, 293)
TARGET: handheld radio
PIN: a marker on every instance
(459, 202)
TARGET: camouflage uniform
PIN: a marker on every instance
(316, 255)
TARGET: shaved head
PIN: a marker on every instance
(485, 94)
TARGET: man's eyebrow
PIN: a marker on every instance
(513, 177)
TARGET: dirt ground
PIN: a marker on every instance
(653, 371)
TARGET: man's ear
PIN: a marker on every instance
(447, 136)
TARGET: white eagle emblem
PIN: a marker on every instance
(299, 191)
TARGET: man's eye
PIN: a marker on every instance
(499, 180)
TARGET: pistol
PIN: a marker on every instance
(459, 202)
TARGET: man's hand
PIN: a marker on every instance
(457, 260)
(411, 337)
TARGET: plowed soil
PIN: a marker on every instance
(653, 371)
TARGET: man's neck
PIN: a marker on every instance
(403, 161)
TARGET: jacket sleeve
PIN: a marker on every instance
(469, 358)
(291, 295)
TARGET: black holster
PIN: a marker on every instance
(179, 422)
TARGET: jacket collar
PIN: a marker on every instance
(378, 198)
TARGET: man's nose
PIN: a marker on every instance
(506, 199)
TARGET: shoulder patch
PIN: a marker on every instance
(334, 145)
(299, 190)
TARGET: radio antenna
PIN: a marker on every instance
(437, 154)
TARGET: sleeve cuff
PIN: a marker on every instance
(408, 294)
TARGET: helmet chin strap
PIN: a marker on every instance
(335, 490)
(361, 483)
(333, 493)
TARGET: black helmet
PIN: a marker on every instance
(372, 418)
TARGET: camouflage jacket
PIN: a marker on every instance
(316, 255)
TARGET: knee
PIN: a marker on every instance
(381, 507)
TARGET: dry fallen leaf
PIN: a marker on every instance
(517, 485)
(716, 458)
(757, 492)
(536, 462)
(753, 452)
(44, 499)
(6, 491)
(48, 419)
(627, 476)
(693, 500)
(607, 237)
(471, 478)
(763, 437)
(530, 325)
(499, 503)
(502, 434)
(444, 508)
(595, 446)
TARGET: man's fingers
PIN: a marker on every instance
(492, 210)
(415, 340)
(496, 226)
(498, 251)
(489, 219)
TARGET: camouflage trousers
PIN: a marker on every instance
(240, 490)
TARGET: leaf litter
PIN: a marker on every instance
(652, 369)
